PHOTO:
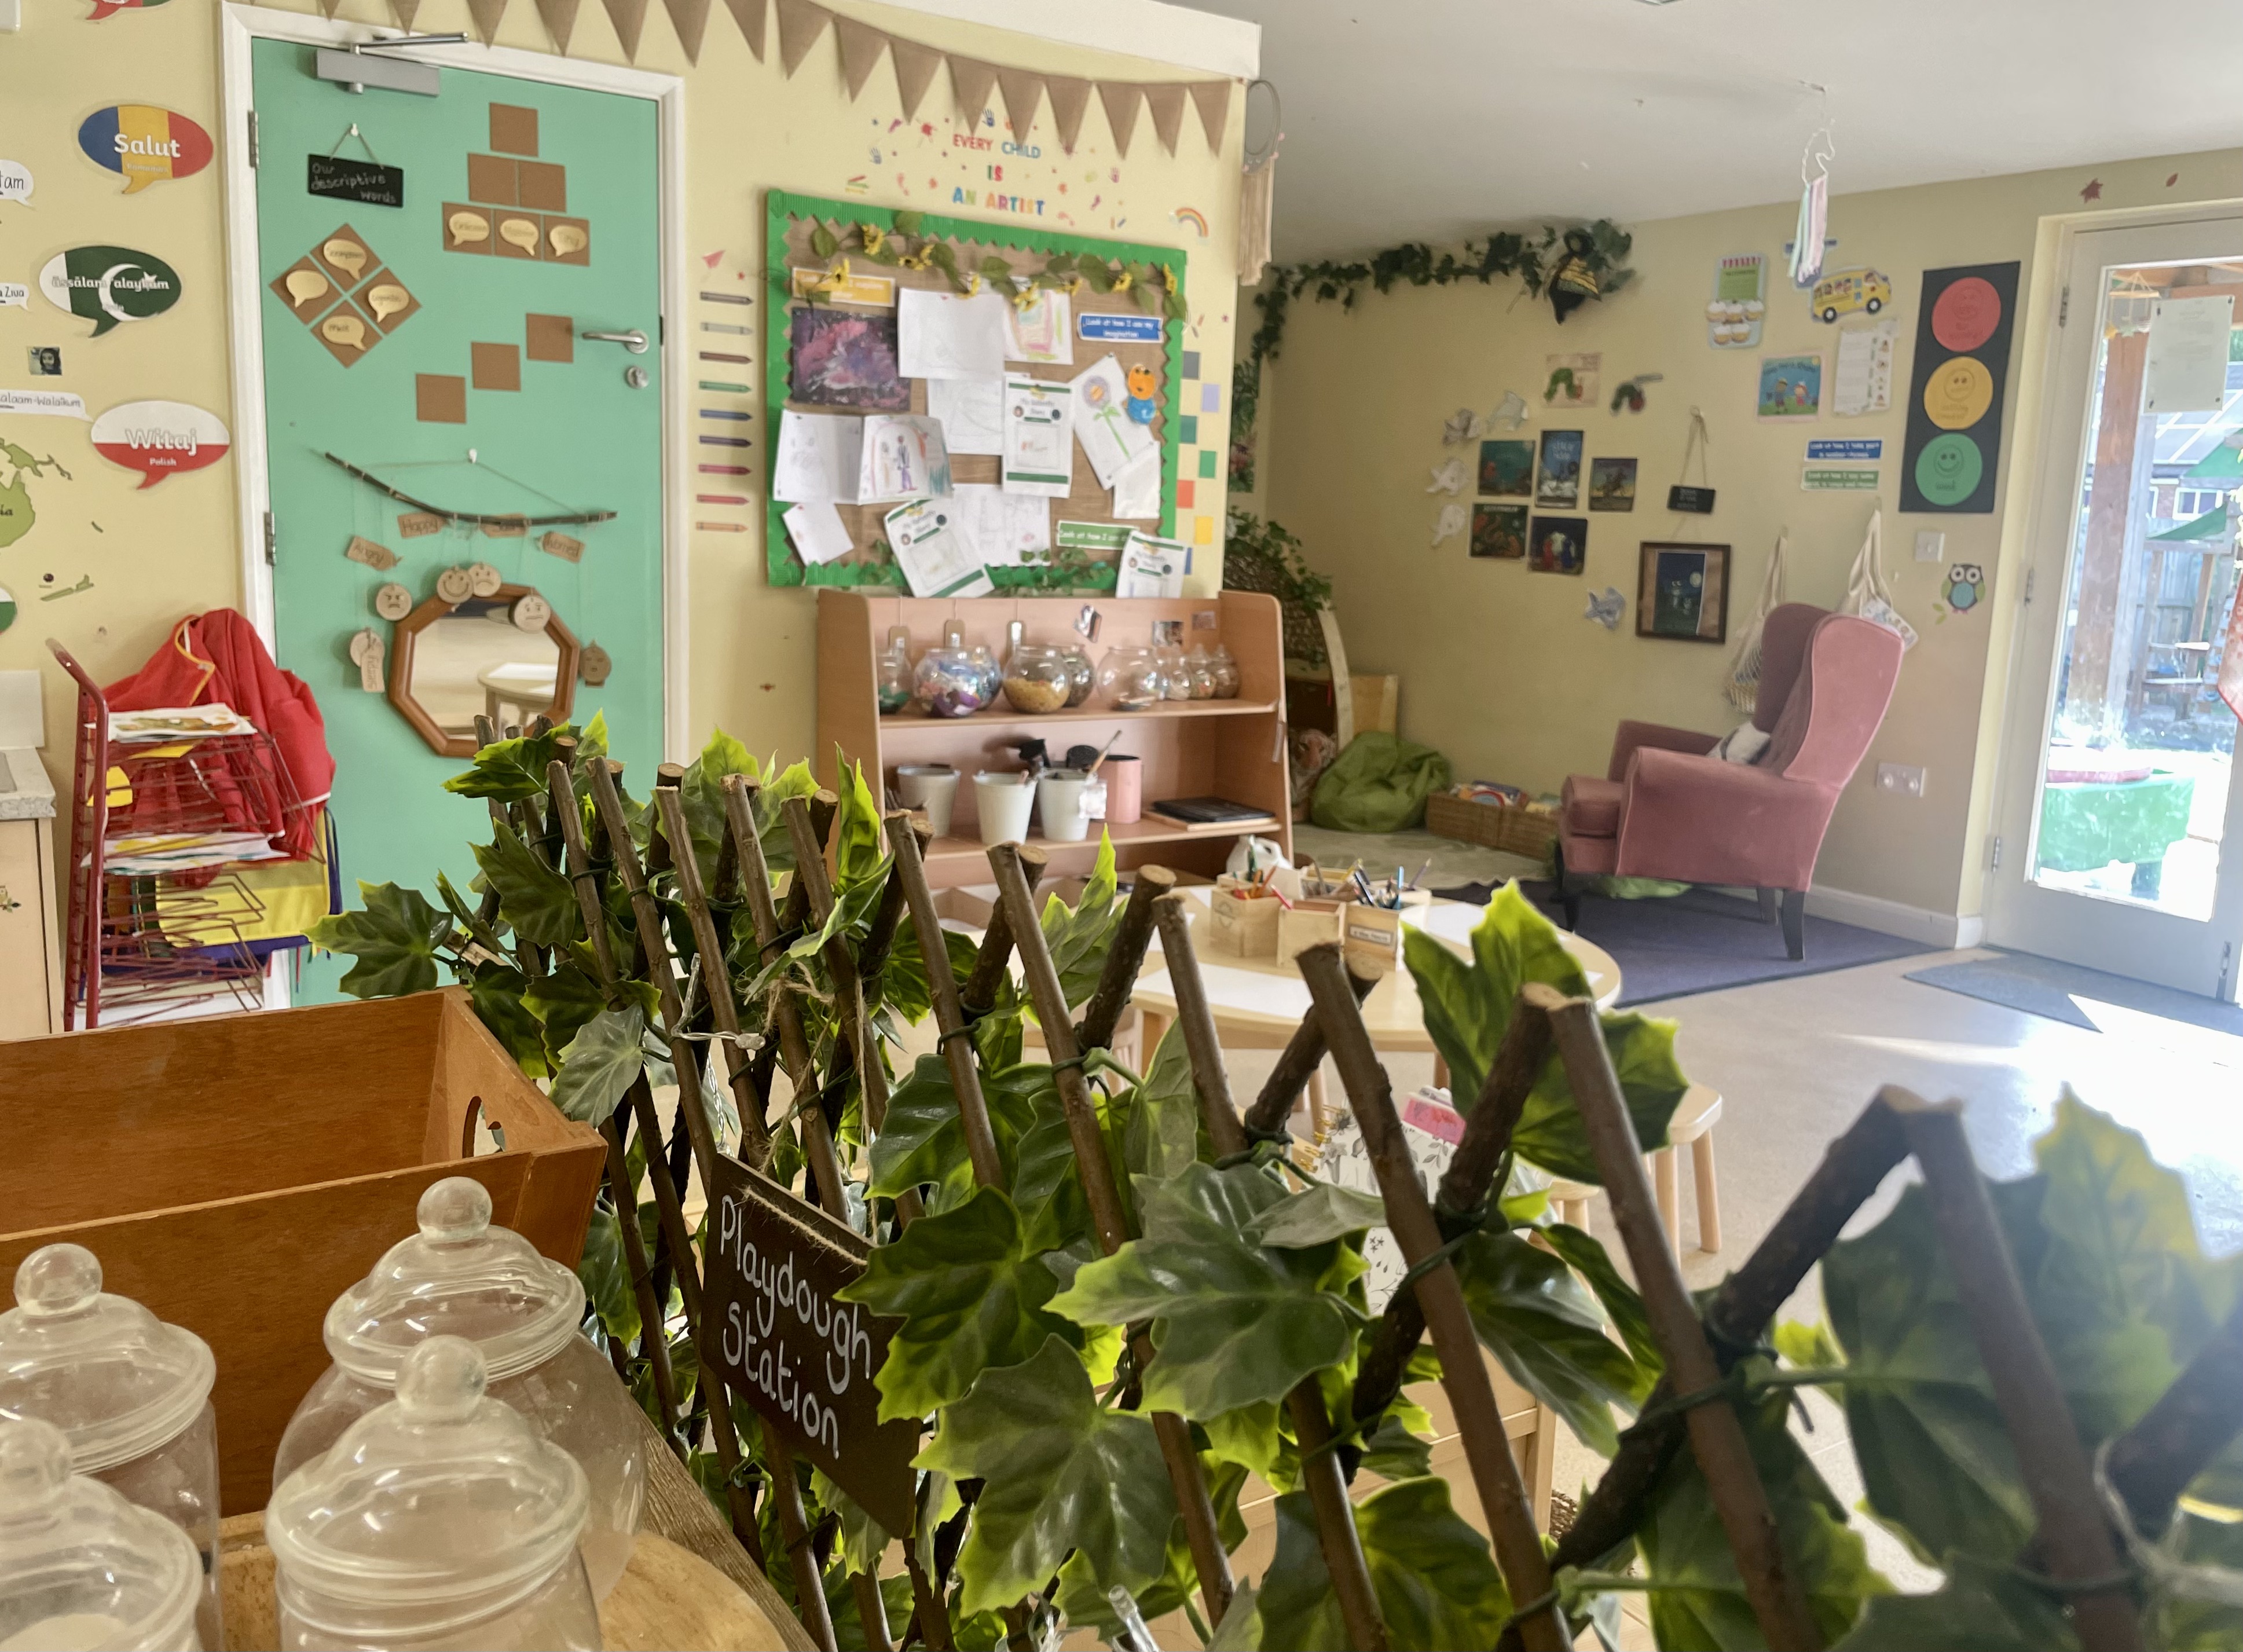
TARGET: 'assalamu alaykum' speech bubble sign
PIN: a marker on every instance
(108, 285)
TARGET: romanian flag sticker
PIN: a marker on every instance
(147, 145)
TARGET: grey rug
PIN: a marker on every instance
(2045, 987)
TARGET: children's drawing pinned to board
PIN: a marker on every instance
(1449, 523)
(1448, 478)
(1573, 381)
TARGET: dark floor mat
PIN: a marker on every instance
(2045, 987)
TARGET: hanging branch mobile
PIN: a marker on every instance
(469, 518)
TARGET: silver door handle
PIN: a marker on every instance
(634, 341)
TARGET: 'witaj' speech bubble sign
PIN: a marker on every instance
(108, 285)
(147, 145)
(161, 439)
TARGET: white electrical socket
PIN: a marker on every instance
(1930, 546)
(1902, 780)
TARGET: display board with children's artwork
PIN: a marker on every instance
(943, 392)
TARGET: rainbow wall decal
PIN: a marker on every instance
(1194, 216)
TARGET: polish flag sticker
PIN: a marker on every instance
(161, 439)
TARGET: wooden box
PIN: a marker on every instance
(234, 1174)
(1372, 936)
(1306, 924)
(1240, 927)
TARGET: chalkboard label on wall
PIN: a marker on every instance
(1694, 501)
(367, 182)
(804, 1361)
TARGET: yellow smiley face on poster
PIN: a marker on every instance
(1958, 393)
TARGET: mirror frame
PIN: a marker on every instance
(406, 631)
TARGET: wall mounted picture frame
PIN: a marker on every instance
(1682, 592)
(1499, 531)
(1559, 544)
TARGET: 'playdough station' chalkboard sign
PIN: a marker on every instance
(1963, 334)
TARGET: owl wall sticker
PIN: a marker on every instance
(1966, 587)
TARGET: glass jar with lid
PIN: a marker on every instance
(1081, 675)
(1176, 675)
(1130, 678)
(459, 1276)
(441, 1519)
(893, 673)
(1038, 678)
(80, 1567)
(949, 683)
(1202, 667)
(129, 1393)
(1227, 677)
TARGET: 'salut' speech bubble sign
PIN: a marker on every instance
(161, 439)
(15, 181)
(108, 285)
(146, 143)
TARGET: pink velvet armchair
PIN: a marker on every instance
(1669, 808)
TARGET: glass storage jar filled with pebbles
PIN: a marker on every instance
(1227, 676)
(949, 682)
(1130, 678)
(1038, 678)
(894, 673)
(82, 1568)
(461, 1276)
(439, 1519)
(130, 1394)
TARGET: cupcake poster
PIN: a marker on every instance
(1740, 302)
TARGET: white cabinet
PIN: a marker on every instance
(30, 921)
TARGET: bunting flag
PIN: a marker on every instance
(800, 24)
(1024, 95)
(487, 14)
(560, 18)
(751, 15)
(1166, 103)
(1070, 99)
(1121, 98)
(1213, 98)
(404, 10)
(915, 65)
(691, 19)
(970, 83)
(629, 19)
(861, 46)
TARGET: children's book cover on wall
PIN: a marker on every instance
(1506, 468)
(1559, 544)
(1499, 531)
(1558, 481)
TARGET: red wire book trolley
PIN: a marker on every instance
(167, 815)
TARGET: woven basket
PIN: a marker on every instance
(1515, 830)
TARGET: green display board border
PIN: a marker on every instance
(782, 566)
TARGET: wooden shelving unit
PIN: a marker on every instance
(1232, 748)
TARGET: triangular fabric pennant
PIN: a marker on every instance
(1070, 98)
(691, 19)
(1166, 103)
(629, 19)
(1121, 98)
(560, 18)
(487, 15)
(1024, 95)
(970, 82)
(915, 65)
(1213, 98)
(328, 8)
(800, 24)
(404, 10)
(861, 46)
(751, 15)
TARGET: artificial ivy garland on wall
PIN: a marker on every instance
(1573, 265)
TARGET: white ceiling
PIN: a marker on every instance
(1436, 119)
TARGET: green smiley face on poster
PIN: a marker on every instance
(1948, 470)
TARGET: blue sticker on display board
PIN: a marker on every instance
(1099, 327)
(1847, 450)
(1965, 328)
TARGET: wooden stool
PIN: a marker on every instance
(1691, 1126)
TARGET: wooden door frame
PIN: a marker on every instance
(242, 25)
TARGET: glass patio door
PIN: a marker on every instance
(2119, 791)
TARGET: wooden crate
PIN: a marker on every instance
(235, 1174)
(1519, 831)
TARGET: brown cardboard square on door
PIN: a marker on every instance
(494, 179)
(497, 366)
(568, 241)
(381, 298)
(466, 229)
(348, 332)
(440, 398)
(543, 184)
(345, 257)
(550, 338)
(311, 305)
(513, 129)
(517, 235)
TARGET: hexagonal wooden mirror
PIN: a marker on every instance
(507, 656)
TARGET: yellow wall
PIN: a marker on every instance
(174, 549)
(1500, 671)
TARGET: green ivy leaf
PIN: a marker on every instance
(702, 793)
(509, 770)
(561, 1003)
(1162, 1131)
(904, 985)
(996, 271)
(823, 242)
(395, 937)
(863, 1540)
(1058, 1473)
(1544, 1327)
(1550, 1133)
(496, 990)
(1235, 1323)
(599, 1064)
(1436, 1588)
(1393, 1452)
(1467, 1005)
(1080, 936)
(1988, 1608)
(908, 220)
(1589, 1259)
(536, 900)
(971, 1297)
(1096, 271)
(1085, 1603)
(1698, 1598)
(606, 1274)
(1323, 1212)
(924, 1140)
(858, 857)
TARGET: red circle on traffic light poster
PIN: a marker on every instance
(1965, 315)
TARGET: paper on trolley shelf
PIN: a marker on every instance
(176, 723)
(935, 557)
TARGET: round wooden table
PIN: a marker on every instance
(1259, 1003)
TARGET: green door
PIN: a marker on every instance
(404, 338)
